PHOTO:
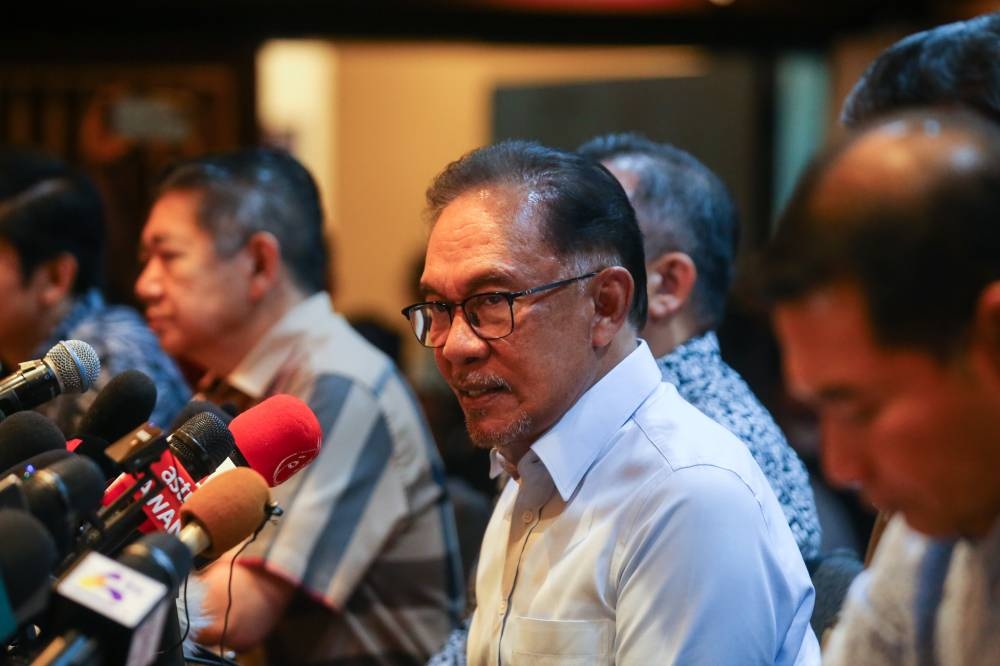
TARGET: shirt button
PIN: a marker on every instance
(503, 606)
(527, 517)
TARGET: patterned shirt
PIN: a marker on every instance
(702, 378)
(368, 536)
(122, 342)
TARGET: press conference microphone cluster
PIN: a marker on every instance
(276, 438)
(114, 611)
(122, 477)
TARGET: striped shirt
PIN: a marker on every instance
(368, 535)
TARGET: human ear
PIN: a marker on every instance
(53, 279)
(264, 253)
(612, 294)
(670, 279)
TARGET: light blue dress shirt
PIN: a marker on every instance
(640, 532)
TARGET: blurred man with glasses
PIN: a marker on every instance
(635, 530)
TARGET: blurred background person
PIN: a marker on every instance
(885, 274)
(51, 253)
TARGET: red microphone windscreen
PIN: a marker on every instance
(229, 507)
(278, 437)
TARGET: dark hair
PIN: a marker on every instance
(258, 189)
(48, 208)
(681, 206)
(922, 254)
(953, 64)
(585, 214)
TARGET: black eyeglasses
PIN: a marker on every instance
(490, 314)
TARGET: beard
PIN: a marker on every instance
(498, 438)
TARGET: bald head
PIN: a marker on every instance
(900, 162)
(908, 209)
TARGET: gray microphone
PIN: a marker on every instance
(71, 366)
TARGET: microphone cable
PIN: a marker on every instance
(273, 512)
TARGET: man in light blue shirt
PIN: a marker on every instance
(635, 530)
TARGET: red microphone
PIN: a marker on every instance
(276, 438)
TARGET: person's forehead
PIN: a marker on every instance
(829, 321)
(485, 235)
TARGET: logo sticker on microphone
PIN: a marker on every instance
(112, 589)
(288, 467)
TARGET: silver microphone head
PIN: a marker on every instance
(75, 363)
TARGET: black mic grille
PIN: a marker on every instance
(75, 363)
(202, 443)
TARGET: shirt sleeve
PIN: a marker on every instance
(341, 510)
(703, 581)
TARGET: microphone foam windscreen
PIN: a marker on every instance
(277, 437)
(28, 558)
(26, 434)
(37, 462)
(79, 479)
(75, 364)
(121, 406)
(229, 507)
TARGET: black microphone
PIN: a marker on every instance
(125, 403)
(25, 565)
(26, 468)
(71, 366)
(27, 434)
(58, 495)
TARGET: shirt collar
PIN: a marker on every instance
(571, 446)
(255, 373)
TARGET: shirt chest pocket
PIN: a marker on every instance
(560, 642)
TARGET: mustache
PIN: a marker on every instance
(479, 381)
